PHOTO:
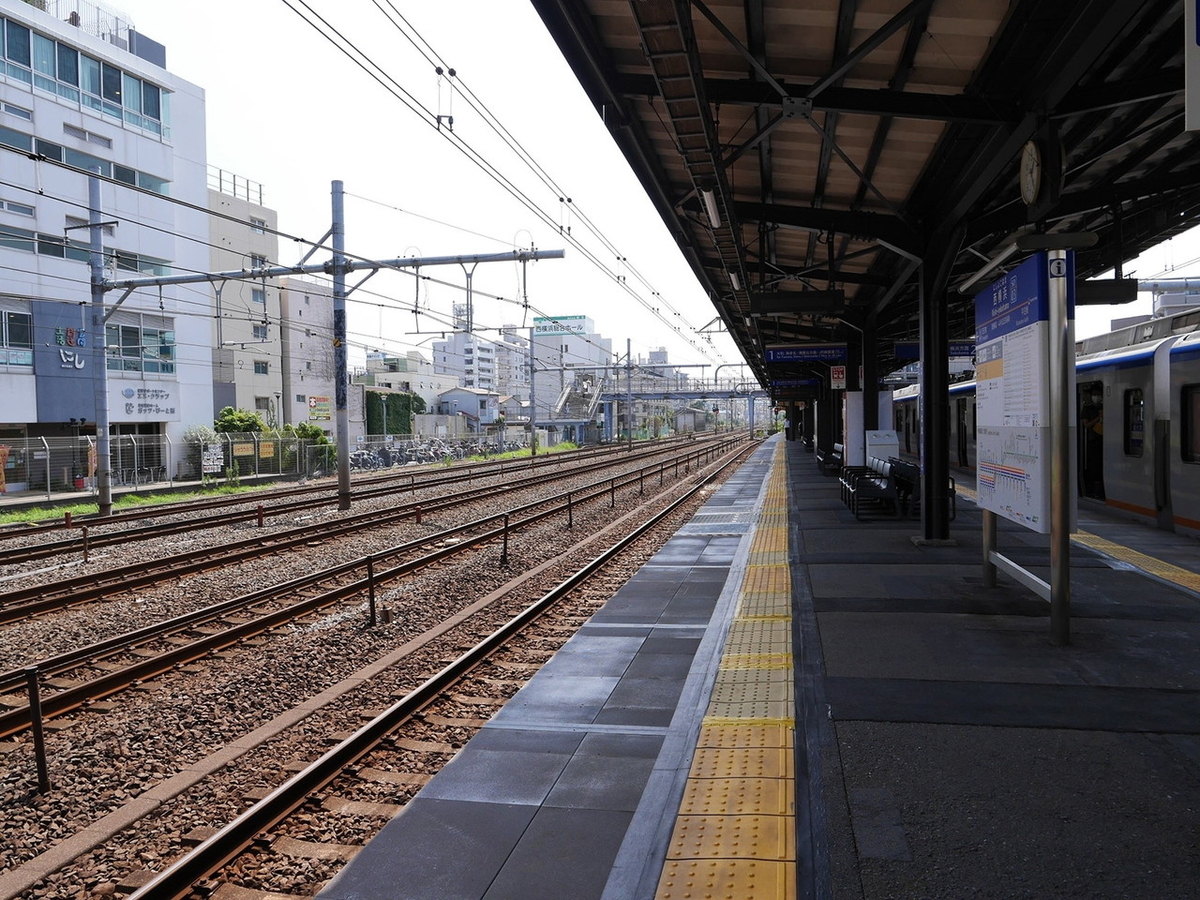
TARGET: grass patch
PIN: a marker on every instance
(523, 453)
(124, 501)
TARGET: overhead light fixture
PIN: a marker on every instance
(710, 207)
(735, 281)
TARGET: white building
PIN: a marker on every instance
(491, 364)
(81, 90)
(306, 324)
(478, 407)
(412, 373)
(246, 343)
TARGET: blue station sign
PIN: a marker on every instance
(830, 353)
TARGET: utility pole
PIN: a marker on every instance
(339, 266)
(340, 368)
(532, 394)
(99, 349)
(629, 389)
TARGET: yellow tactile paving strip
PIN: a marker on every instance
(735, 833)
(1164, 570)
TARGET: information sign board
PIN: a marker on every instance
(212, 459)
(1012, 334)
(806, 353)
(837, 378)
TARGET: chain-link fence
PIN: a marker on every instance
(50, 465)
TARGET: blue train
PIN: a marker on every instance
(1138, 414)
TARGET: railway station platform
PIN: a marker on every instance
(786, 702)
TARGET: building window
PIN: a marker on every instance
(300, 398)
(1135, 422)
(61, 69)
(89, 136)
(84, 161)
(260, 332)
(258, 226)
(16, 238)
(56, 245)
(135, 262)
(260, 367)
(16, 49)
(138, 346)
(258, 295)
(19, 209)
(16, 338)
(257, 262)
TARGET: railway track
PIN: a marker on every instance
(344, 760)
(294, 500)
(412, 661)
(195, 635)
(21, 603)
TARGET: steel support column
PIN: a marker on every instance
(828, 414)
(935, 407)
(870, 380)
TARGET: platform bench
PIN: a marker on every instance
(907, 476)
(874, 488)
(830, 461)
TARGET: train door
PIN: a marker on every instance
(1090, 400)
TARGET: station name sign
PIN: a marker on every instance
(785, 353)
(795, 382)
(911, 350)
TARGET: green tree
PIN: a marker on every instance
(308, 432)
(238, 421)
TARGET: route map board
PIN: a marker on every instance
(1012, 391)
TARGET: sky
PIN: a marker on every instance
(287, 109)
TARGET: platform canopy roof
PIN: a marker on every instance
(813, 158)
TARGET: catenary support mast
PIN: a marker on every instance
(339, 266)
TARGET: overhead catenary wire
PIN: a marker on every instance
(152, 194)
(361, 59)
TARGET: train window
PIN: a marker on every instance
(1189, 444)
(1135, 422)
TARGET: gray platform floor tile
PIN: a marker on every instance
(594, 653)
(559, 698)
(434, 850)
(564, 855)
(608, 772)
(660, 665)
(516, 775)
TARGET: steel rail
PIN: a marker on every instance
(385, 484)
(270, 492)
(21, 603)
(178, 879)
(69, 699)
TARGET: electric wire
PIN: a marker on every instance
(363, 61)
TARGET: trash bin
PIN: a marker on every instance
(79, 483)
